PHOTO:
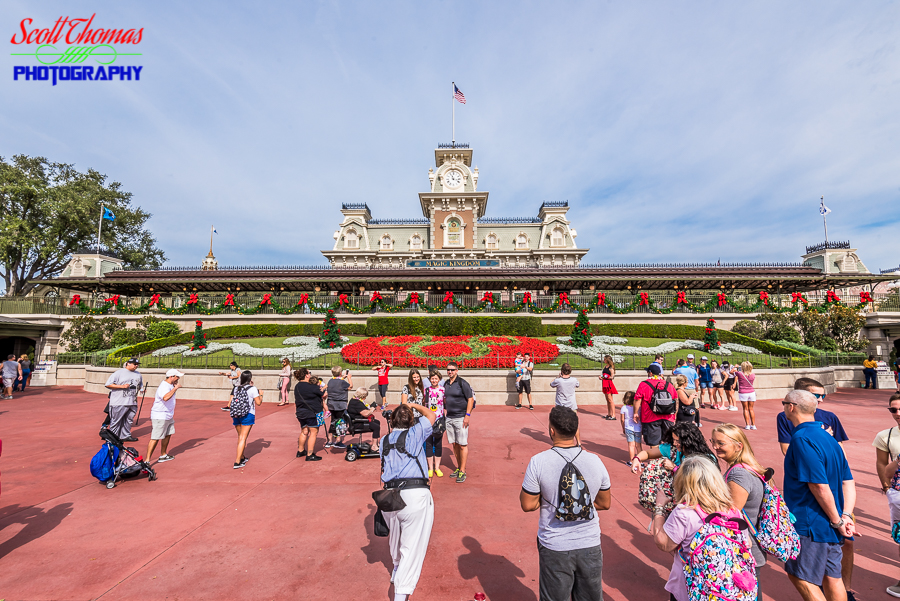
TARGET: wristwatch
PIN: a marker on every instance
(837, 525)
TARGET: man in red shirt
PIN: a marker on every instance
(653, 425)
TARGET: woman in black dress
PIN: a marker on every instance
(309, 403)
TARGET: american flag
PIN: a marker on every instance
(458, 95)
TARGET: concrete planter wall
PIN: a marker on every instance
(491, 387)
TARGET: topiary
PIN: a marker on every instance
(199, 340)
(711, 337)
(581, 331)
(162, 329)
(750, 328)
(331, 333)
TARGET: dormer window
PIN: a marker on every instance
(521, 242)
(557, 237)
(386, 242)
(351, 239)
(491, 242)
(415, 242)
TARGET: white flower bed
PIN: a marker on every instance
(304, 348)
(611, 345)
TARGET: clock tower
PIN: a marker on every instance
(454, 205)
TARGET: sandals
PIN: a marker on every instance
(609, 418)
(281, 404)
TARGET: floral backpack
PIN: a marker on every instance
(718, 564)
(774, 531)
(654, 477)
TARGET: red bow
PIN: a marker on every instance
(266, 300)
(154, 300)
(526, 298)
(199, 324)
(488, 297)
(831, 297)
(448, 297)
(114, 299)
(601, 298)
(76, 300)
(193, 300)
(797, 297)
(229, 300)
(865, 297)
(645, 299)
(343, 300)
(304, 298)
(723, 300)
(563, 298)
(414, 298)
(376, 296)
(764, 297)
(680, 298)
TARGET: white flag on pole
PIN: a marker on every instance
(823, 210)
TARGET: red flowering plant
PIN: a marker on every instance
(331, 333)
(198, 342)
(470, 351)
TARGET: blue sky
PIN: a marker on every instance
(689, 131)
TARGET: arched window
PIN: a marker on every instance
(415, 242)
(386, 242)
(351, 239)
(521, 242)
(557, 237)
(454, 232)
(491, 242)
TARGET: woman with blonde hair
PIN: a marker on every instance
(284, 380)
(744, 477)
(747, 394)
(609, 387)
(699, 491)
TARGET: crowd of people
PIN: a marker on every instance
(696, 489)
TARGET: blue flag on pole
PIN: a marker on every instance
(107, 214)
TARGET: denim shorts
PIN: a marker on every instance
(247, 420)
(816, 561)
(632, 436)
(705, 384)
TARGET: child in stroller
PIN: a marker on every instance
(115, 461)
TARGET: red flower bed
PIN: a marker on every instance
(487, 352)
(446, 349)
(404, 339)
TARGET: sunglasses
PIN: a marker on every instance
(449, 369)
(820, 396)
(893, 409)
(787, 403)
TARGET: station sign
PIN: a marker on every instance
(453, 263)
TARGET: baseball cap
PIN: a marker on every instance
(134, 360)
(654, 369)
(704, 359)
(174, 372)
(690, 356)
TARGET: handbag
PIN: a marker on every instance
(320, 419)
(388, 499)
(381, 528)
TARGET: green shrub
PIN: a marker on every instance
(777, 326)
(92, 342)
(128, 337)
(162, 329)
(749, 328)
(454, 326)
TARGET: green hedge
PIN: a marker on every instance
(238, 331)
(455, 326)
(675, 332)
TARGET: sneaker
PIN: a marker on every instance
(129, 439)
(530, 407)
(226, 408)
(454, 473)
(700, 425)
(313, 458)
(748, 427)
(243, 462)
(753, 427)
(732, 408)
(438, 473)
(431, 473)
(237, 466)
(518, 406)
(340, 445)
(460, 477)
(328, 445)
(163, 458)
(894, 591)
(301, 454)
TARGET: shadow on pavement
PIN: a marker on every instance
(498, 577)
(37, 522)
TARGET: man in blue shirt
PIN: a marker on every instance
(704, 372)
(820, 492)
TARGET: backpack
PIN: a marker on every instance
(774, 531)
(661, 401)
(575, 503)
(240, 402)
(103, 464)
(718, 564)
(340, 427)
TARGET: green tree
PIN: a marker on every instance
(331, 333)
(162, 328)
(199, 340)
(814, 329)
(845, 324)
(777, 326)
(711, 338)
(748, 327)
(581, 331)
(50, 210)
(87, 334)
(79, 327)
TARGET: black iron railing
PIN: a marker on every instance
(828, 245)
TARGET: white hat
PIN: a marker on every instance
(704, 359)
(174, 372)
(690, 355)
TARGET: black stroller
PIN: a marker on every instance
(127, 463)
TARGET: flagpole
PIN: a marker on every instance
(453, 110)
(825, 222)
(100, 228)
(211, 228)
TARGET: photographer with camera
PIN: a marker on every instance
(124, 384)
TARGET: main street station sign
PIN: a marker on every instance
(451, 263)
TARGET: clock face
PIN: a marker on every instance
(453, 179)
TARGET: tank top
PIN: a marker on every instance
(607, 374)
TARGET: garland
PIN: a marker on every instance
(487, 303)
